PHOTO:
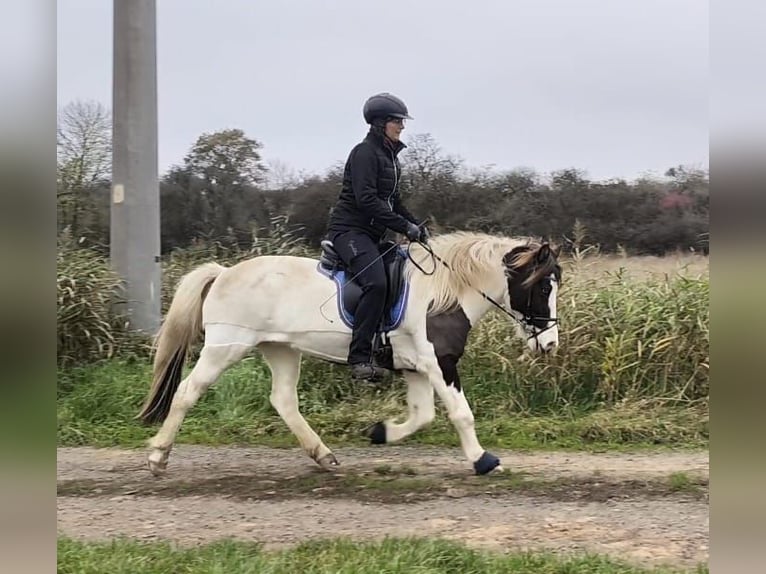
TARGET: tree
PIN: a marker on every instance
(83, 163)
(226, 157)
(214, 195)
(569, 180)
(423, 162)
(311, 204)
(283, 177)
(519, 180)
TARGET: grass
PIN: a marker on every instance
(335, 556)
(644, 267)
(682, 483)
(97, 404)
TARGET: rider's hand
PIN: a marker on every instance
(413, 232)
(425, 235)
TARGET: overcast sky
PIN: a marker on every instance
(615, 87)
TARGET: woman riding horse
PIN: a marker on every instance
(368, 205)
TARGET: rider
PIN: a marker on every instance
(369, 203)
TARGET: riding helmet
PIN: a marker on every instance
(384, 105)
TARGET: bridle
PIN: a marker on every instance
(527, 320)
(527, 323)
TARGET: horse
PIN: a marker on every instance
(278, 305)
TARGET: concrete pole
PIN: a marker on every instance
(135, 206)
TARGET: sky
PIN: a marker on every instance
(616, 88)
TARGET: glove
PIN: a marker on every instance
(413, 231)
(425, 235)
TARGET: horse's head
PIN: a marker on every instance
(534, 274)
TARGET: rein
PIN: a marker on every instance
(526, 322)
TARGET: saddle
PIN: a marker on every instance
(349, 292)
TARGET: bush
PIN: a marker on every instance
(90, 329)
(86, 289)
(621, 339)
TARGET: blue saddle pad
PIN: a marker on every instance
(348, 293)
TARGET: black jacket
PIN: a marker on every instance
(369, 200)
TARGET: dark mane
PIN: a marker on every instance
(527, 256)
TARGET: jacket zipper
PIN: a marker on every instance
(396, 182)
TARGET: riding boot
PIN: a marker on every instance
(368, 372)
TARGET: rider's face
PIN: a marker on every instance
(394, 127)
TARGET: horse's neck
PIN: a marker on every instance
(475, 305)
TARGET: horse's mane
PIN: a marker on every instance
(469, 256)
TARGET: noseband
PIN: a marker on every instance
(528, 325)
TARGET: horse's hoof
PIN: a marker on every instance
(377, 433)
(329, 462)
(487, 463)
(157, 468)
(158, 463)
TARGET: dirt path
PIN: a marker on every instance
(650, 508)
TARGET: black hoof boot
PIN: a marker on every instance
(486, 463)
(377, 433)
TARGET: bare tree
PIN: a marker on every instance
(424, 160)
(84, 159)
(282, 176)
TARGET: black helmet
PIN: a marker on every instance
(385, 105)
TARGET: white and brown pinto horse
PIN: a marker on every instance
(276, 304)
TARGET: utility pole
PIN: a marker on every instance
(135, 205)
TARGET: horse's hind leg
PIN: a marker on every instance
(213, 361)
(285, 365)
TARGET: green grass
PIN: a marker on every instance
(97, 403)
(390, 556)
(682, 482)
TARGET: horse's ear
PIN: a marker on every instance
(510, 258)
(544, 253)
(557, 251)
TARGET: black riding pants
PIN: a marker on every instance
(358, 250)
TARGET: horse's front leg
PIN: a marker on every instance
(443, 377)
(420, 403)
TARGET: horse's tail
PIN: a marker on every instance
(180, 330)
